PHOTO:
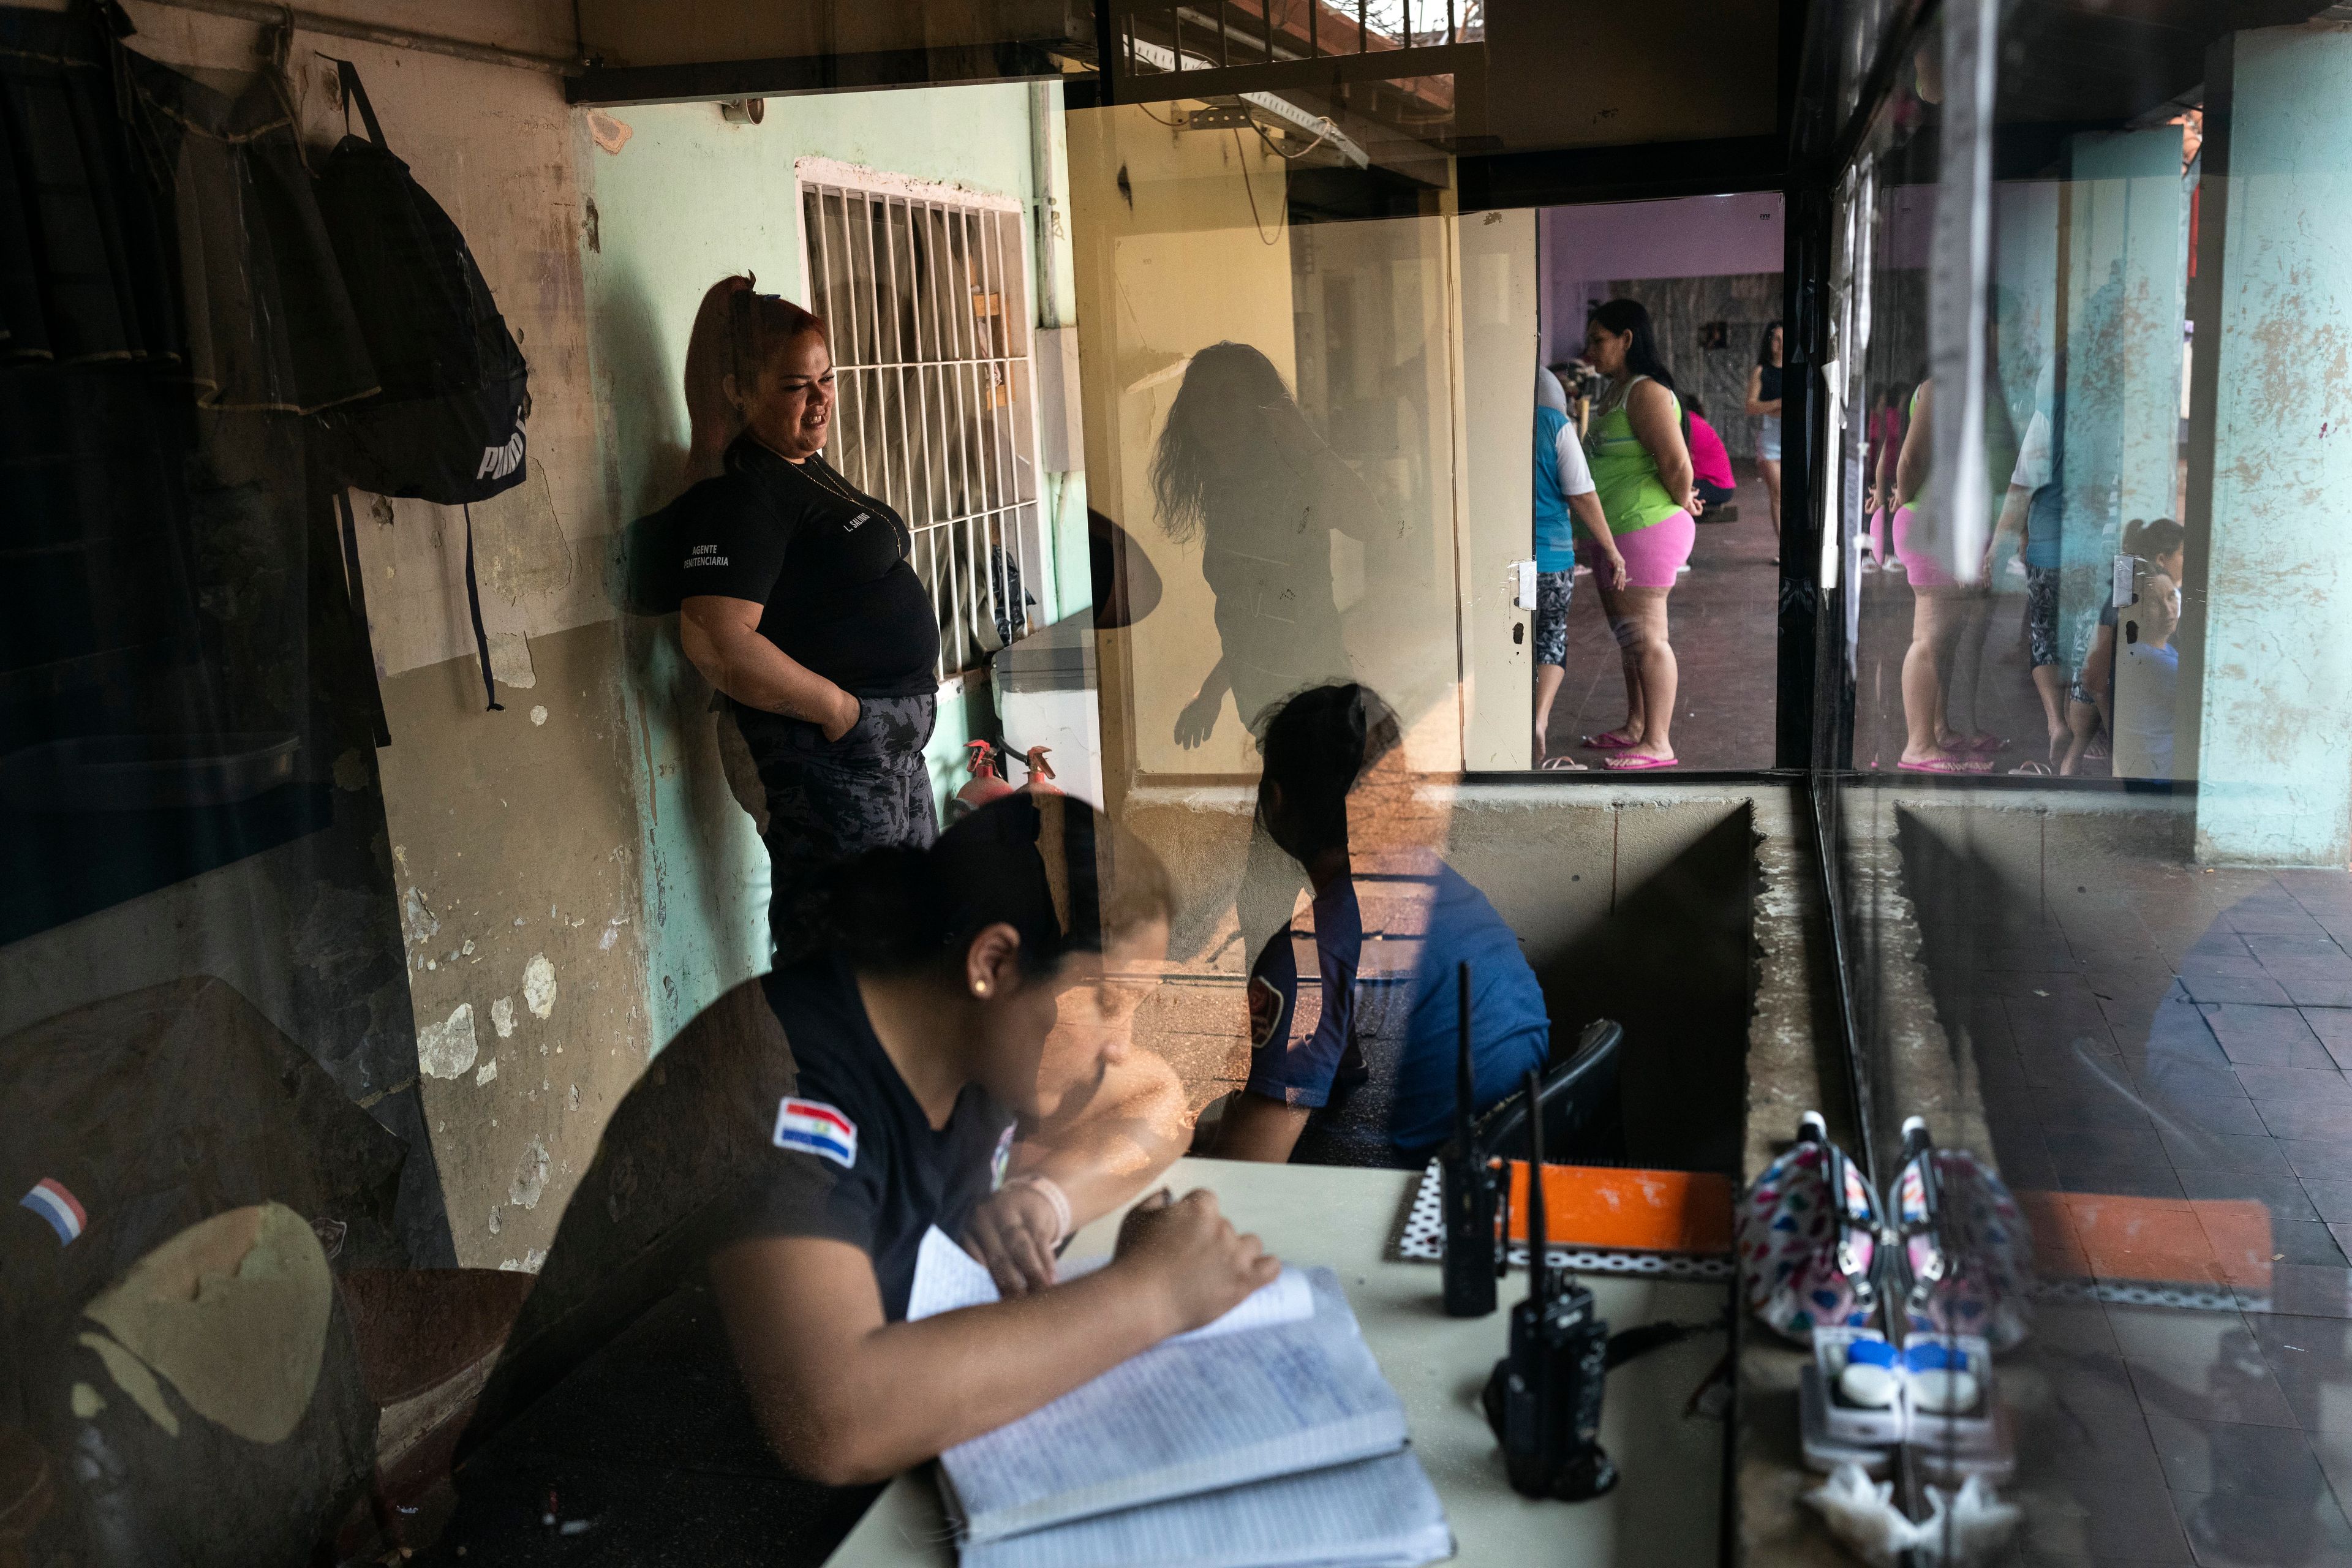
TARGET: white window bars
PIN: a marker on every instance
(924, 290)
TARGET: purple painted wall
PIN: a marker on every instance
(1693, 236)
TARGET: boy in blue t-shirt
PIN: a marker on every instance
(1358, 1066)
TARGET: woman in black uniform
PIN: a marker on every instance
(802, 605)
(916, 1047)
(784, 1159)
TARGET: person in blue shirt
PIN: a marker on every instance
(1352, 1008)
(1563, 489)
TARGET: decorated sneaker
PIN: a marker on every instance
(1809, 1238)
(1963, 1260)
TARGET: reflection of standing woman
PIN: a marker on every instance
(1641, 468)
(800, 604)
(1946, 616)
(1764, 403)
(1239, 466)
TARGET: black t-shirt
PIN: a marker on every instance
(852, 1155)
(830, 563)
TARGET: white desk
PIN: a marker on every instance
(1666, 1509)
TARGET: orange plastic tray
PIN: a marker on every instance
(1636, 1210)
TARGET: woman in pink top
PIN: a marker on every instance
(1712, 483)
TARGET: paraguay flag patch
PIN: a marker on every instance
(52, 1202)
(815, 1128)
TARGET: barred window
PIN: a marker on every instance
(924, 291)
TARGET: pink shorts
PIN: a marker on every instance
(1652, 553)
(1920, 566)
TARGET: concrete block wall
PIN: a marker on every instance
(1649, 904)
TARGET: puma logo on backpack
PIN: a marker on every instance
(498, 462)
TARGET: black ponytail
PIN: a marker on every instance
(1642, 354)
(1315, 746)
(1050, 866)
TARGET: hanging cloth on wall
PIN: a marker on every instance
(86, 274)
(269, 325)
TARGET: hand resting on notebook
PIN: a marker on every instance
(848, 1396)
(1111, 1116)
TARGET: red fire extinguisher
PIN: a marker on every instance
(984, 785)
(1041, 772)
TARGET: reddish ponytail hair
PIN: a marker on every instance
(736, 330)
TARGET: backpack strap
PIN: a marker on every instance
(347, 77)
(481, 637)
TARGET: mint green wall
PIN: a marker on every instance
(688, 200)
(2273, 787)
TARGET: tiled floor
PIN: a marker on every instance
(2162, 1053)
(1721, 620)
(2163, 1065)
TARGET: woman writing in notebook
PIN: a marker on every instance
(920, 1049)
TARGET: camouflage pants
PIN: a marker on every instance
(831, 800)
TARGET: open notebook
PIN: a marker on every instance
(1275, 1394)
(1374, 1513)
(947, 1277)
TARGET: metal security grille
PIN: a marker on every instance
(925, 291)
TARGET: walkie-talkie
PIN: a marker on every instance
(1544, 1399)
(1467, 1187)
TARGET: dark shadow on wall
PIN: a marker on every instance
(1672, 965)
(1970, 918)
(638, 373)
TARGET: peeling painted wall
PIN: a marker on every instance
(2275, 783)
(516, 847)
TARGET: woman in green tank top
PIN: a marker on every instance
(1642, 470)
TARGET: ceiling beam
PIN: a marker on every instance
(794, 76)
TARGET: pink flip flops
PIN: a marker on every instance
(1621, 764)
(1607, 741)
(1970, 764)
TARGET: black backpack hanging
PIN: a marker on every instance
(447, 426)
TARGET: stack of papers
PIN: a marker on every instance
(1267, 1438)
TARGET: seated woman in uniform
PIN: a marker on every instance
(1356, 1065)
(916, 1047)
(803, 1166)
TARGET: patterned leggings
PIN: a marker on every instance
(1552, 591)
(831, 800)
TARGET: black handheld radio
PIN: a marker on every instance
(1468, 1188)
(1544, 1399)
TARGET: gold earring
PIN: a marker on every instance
(980, 987)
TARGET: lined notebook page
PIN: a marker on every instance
(1183, 1417)
(1376, 1513)
(948, 1278)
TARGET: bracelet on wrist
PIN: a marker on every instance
(1050, 1191)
